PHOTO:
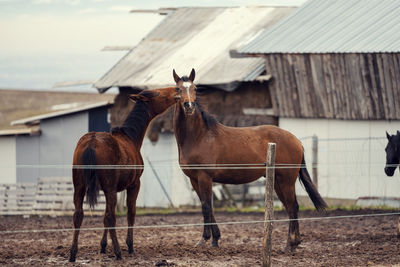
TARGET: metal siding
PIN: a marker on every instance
(58, 140)
(164, 158)
(333, 26)
(197, 38)
(28, 155)
(8, 159)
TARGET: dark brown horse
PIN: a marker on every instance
(392, 150)
(202, 140)
(120, 147)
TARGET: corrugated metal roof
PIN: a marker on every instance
(37, 119)
(197, 38)
(333, 26)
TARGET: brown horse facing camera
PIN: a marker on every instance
(120, 147)
(202, 140)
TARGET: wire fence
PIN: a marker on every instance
(198, 224)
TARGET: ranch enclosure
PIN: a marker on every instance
(360, 241)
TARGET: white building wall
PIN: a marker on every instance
(8, 159)
(351, 156)
(163, 157)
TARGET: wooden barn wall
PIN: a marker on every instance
(337, 86)
(228, 106)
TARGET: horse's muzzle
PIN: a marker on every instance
(389, 171)
(189, 108)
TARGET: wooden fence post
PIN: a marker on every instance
(269, 205)
(315, 160)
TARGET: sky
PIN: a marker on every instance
(44, 42)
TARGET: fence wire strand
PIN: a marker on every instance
(196, 224)
(193, 166)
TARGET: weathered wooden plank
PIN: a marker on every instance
(329, 85)
(295, 95)
(381, 84)
(287, 96)
(315, 107)
(391, 84)
(300, 74)
(282, 93)
(367, 86)
(395, 74)
(357, 99)
(273, 85)
(319, 85)
(376, 91)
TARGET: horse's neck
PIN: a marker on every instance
(189, 129)
(136, 123)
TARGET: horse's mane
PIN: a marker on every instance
(136, 121)
(209, 120)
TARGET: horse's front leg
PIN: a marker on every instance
(206, 228)
(205, 190)
(131, 197)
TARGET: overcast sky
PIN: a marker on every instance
(49, 41)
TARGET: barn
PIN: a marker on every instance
(335, 74)
(234, 90)
(44, 148)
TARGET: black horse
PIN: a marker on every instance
(392, 153)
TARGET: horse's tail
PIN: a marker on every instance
(90, 176)
(312, 191)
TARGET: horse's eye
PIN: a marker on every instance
(177, 89)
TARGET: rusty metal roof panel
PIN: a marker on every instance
(333, 26)
(197, 38)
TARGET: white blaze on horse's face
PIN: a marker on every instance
(188, 97)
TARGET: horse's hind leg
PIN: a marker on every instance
(287, 195)
(79, 194)
(103, 242)
(110, 220)
(132, 194)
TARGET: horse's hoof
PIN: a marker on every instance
(214, 244)
(290, 250)
(201, 243)
(131, 251)
(72, 259)
(102, 251)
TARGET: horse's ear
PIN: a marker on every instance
(388, 135)
(138, 97)
(398, 132)
(192, 75)
(176, 77)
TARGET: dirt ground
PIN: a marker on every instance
(366, 241)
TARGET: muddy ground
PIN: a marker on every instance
(366, 241)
